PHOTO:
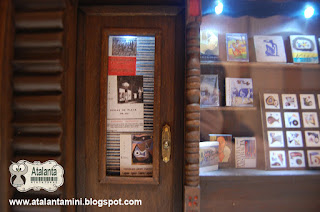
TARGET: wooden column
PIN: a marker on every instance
(192, 108)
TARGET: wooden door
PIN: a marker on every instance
(163, 190)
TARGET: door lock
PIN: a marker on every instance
(166, 143)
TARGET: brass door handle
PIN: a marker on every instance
(166, 143)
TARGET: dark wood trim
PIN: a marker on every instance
(131, 10)
(103, 103)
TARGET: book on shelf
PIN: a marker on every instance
(225, 149)
(239, 92)
(209, 45)
(269, 49)
(208, 156)
(245, 152)
(237, 47)
(209, 90)
(304, 49)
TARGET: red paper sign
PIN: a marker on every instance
(122, 66)
(194, 7)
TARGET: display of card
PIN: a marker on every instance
(237, 47)
(225, 149)
(275, 139)
(318, 100)
(269, 49)
(209, 91)
(313, 158)
(271, 101)
(310, 120)
(307, 101)
(208, 156)
(278, 159)
(209, 45)
(239, 92)
(296, 159)
(312, 138)
(292, 120)
(294, 139)
(304, 49)
(289, 101)
(273, 120)
(246, 152)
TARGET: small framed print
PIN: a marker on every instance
(271, 101)
(275, 139)
(278, 159)
(289, 101)
(292, 120)
(294, 139)
(296, 159)
(310, 120)
(313, 158)
(307, 101)
(312, 138)
(273, 120)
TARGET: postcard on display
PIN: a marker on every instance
(304, 49)
(313, 158)
(294, 139)
(275, 139)
(271, 101)
(125, 108)
(270, 49)
(312, 138)
(307, 101)
(292, 119)
(237, 47)
(209, 156)
(209, 45)
(273, 120)
(136, 154)
(296, 159)
(246, 152)
(239, 92)
(225, 149)
(310, 120)
(209, 91)
(278, 159)
(122, 53)
(289, 101)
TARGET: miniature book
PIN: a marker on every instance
(246, 152)
(225, 149)
(209, 156)
(209, 45)
(239, 92)
(237, 47)
(269, 49)
(304, 49)
(209, 91)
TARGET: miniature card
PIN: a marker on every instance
(271, 101)
(209, 91)
(318, 100)
(296, 159)
(237, 47)
(246, 152)
(239, 92)
(209, 45)
(307, 101)
(269, 49)
(312, 138)
(313, 158)
(289, 101)
(292, 119)
(294, 139)
(225, 148)
(273, 120)
(310, 120)
(275, 139)
(304, 49)
(208, 156)
(278, 159)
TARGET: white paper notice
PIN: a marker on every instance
(123, 114)
(130, 151)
